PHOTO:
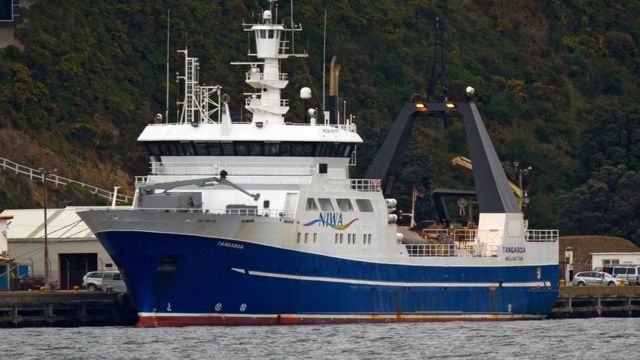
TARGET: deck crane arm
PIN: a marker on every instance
(467, 164)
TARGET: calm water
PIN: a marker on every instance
(549, 339)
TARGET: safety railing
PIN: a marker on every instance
(233, 169)
(534, 235)
(36, 174)
(265, 102)
(452, 250)
(286, 215)
(450, 235)
(258, 76)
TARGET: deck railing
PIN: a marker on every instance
(283, 215)
(455, 250)
(542, 235)
(236, 169)
(450, 235)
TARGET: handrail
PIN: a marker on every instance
(534, 235)
(272, 213)
(35, 174)
(452, 250)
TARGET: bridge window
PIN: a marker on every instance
(344, 205)
(364, 205)
(227, 149)
(302, 149)
(187, 148)
(249, 148)
(201, 149)
(325, 204)
(271, 149)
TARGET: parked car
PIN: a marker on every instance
(594, 278)
(31, 282)
(92, 281)
(115, 280)
(629, 273)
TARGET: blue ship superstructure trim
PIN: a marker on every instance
(188, 274)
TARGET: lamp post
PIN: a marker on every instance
(521, 173)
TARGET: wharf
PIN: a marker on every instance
(65, 308)
(597, 301)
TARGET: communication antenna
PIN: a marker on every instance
(324, 59)
(293, 42)
(438, 70)
(166, 112)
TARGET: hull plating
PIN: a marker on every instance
(179, 280)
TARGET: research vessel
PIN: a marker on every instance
(256, 221)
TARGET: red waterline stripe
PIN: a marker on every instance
(180, 321)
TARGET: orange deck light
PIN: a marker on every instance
(421, 107)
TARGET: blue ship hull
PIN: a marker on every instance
(178, 280)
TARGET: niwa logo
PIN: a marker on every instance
(331, 219)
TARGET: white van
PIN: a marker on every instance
(629, 273)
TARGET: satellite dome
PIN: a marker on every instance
(305, 93)
(266, 15)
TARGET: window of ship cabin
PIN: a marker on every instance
(364, 205)
(187, 148)
(344, 150)
(249, 148)
(345, 205)
(215, 149)
(154, 149)
(302, 149)
(311, 204)
(325, 204)
(270, 34)
(271, 149)
(285, 149)
(227, 149)
(241, 149)
(201, 149)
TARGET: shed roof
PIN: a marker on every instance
(61, 224)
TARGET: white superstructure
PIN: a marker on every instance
(266, 155)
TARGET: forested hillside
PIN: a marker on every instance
(556, 82)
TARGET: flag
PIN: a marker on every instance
(417, 194)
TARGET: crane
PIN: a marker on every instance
(521, 196)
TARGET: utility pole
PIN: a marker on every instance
(46, 239)
(45, 174)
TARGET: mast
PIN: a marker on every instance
(265, 102)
